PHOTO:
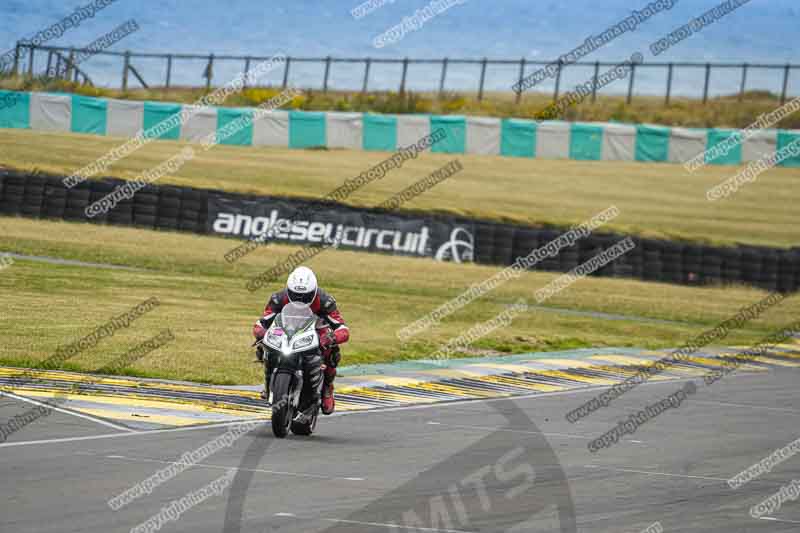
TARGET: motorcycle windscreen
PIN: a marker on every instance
(295, 317)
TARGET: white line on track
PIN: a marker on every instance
(131, 434)
(394, 526)
(778, 520)
(67, 411)
(221, 467)
(749, 406)
(667, 474)
(486, 428)
(652, 473)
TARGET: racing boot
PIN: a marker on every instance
(328, 399)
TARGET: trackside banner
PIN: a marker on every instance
(350, 229)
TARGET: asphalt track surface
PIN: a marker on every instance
(485, 465)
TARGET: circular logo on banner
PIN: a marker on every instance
(457, 249)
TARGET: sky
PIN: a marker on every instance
(765, 31)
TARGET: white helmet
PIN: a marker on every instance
(302, 285)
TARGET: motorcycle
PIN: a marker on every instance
(291, 339)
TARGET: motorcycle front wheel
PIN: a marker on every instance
(282, 412)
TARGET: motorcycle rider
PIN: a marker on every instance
(301, 286)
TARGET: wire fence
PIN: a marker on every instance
(60, 60)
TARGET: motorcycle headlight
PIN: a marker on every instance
(303, 342)
(274, 341)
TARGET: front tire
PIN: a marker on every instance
(282, 411)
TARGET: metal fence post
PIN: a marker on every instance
(669, 83)
(594, 80)
(209, 71)
(70, 64)
(483, 78)
(442, 78)
(367, 63)
(327, 73)
(126, 65)
(744, 82)
(246, 72)
(708, 79)
(286, 71)
(169, 71)
(785, 83)
(30, 61)
(521, 78)
(403, 79)
(16, 58)
(558, 80)
(630, 83)
(49, 64)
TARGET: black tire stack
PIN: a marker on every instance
(33, 197)
(503, 244)
(484, 243)
(787, 271)
(145, 208)
(672, 262)
(55, 199)
(692, 261)
(635, 258)
(751, 266)
(731, 265)
(711, 268)
(653, 267)
(569, 257)
(526, 240)
(194, 211)
(122, 214)
(769, 270)
(551, 264)
(78, 199)
(13, 194)
(98, 191)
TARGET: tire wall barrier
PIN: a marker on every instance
(187, 209)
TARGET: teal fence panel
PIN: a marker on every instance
(157, 112)
(456, 129)
(785, 138)
(89, 115)
(306, 129)
(518, 138)
(586, 142)
(15, 110)
(238, 135)
(380, 132)
(734, 155)
(652, 144)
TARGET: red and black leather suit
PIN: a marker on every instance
(331, 328)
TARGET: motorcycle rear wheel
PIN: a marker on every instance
(282, 411)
